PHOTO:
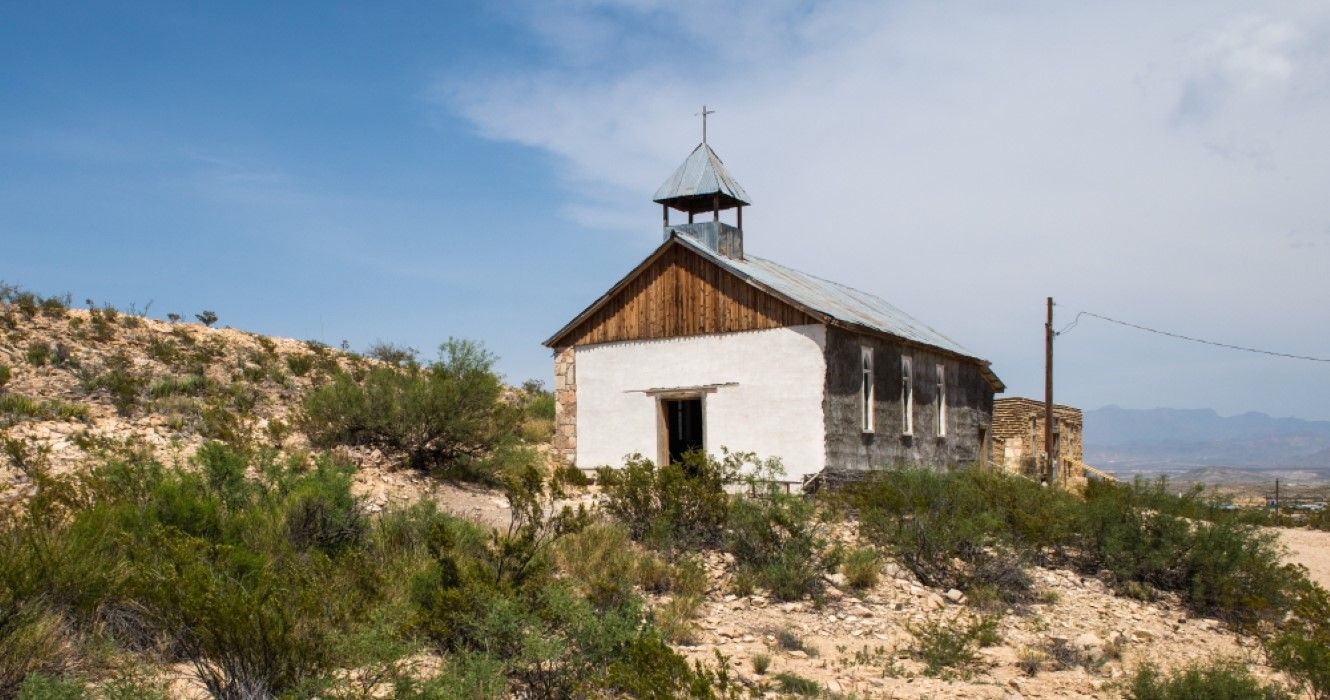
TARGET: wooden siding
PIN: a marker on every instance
(679, 294)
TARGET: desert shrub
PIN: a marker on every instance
(206, 317)
(861, 566)
(33, 641)
(554, 642)
(448, 417)
(789, 640)
(393, 354)
(955, 530)
(1300, 646)
(603, 561)
(776, 536)
(797, 685)
(39, 353)
(40, 686)
(1219, 679)
(1222, 568)
(120, 381)
(976, 530)
(54, 307)
(761, 664)
(537, 406)
(260, 573)
(15, 407)
(300, 364)
(681, 505)
(187, 385)
(948, 645)
(5, 374)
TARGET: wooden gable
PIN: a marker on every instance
(676, 293)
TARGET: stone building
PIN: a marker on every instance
(706, 346)
(1018, 438)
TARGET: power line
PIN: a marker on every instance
(1180, 336)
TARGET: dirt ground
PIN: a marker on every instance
(1311, 548)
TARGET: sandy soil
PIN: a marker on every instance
(1311, 548)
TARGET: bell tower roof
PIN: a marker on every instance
(701, 184)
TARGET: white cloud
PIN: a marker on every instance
(1145, 160)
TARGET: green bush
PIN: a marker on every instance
(448, 417)
(776, 537)
(1220, 680)
(39, 353)
(42, 687)
(964, 529)
(795, 684)
(1300, 646)
(681, 505)
(15, 407)
(976, 530)
(33, 641)
(1222, 568)
(862, 566)
(187, 385)
(948, 645)
(5, 373)
(300, 364)
(120, 381)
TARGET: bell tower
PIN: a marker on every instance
(700, 185)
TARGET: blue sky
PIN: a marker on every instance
(409, 172)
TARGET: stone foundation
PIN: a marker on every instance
(565, 405)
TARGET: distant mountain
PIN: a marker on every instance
(1167, 438)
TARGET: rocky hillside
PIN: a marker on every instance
(76, 383)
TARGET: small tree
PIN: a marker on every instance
(446, 416)
(207, 318)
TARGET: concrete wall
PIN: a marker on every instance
(764, 394)
(849, 448)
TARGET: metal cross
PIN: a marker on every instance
(704, 114)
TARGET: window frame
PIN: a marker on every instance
(867, 391)
(941, 400)
(907, 395)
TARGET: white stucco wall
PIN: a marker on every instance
(770, 402)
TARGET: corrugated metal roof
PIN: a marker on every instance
(833, 299)
(701, 174)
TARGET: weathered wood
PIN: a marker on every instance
(682, 293)
(969, 399)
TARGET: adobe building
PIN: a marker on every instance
(704, 345)
(1018, 439)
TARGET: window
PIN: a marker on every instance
(866, 394)
(907, 397)
(941, 401)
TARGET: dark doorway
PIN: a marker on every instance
(683, 425)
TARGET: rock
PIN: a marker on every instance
(1141, 634)
(954, 595)
(837, 579)
(798, 654)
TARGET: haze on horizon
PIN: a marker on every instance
(351, 173)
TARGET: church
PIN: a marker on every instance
(706, 346)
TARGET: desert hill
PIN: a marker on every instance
(83, 383)
(80, 385)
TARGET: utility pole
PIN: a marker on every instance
(1279, 516)
(1048, 396)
